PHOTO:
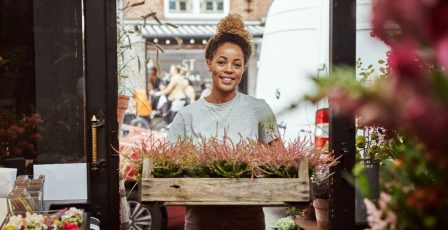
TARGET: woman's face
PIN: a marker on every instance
(227, 67)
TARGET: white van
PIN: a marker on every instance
(295, 46)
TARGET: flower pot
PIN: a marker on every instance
(321, 209)
(122, 106)
(372, 174)
(309, 213)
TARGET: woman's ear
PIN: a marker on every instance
(209, 65)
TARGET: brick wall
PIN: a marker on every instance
(248, 9)
(258, 9)
(146, 8)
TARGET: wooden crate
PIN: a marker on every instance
(226, 191)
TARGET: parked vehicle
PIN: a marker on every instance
(295, 47)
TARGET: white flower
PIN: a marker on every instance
(15, 221)
(73, 212)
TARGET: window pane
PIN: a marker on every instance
(172, 5)
(220, 7)
(182, 6)
(209, 5)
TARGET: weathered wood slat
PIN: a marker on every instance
(227, 191)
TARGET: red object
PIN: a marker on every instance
(176, 216)
(132, 139)
(321, 136)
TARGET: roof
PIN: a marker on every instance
(186, 31)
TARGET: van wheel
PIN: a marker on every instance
(143, 218)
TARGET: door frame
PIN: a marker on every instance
(101, 101)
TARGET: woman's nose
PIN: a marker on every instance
(228, 68)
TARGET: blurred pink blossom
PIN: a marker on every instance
(438, 16)
(405, 65)
(338, 97)
(409, 15)
(442, 51)
(382, 217)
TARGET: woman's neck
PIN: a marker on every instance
(219, 98)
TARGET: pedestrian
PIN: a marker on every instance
(175, 93)
(226, 112)
(154, 84)
(205, 90)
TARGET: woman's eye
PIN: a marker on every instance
(221, 62)
(237, 65)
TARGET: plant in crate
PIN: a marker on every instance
(224, 158)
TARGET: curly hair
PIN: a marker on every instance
(230, 29)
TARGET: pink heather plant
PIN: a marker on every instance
(223, 158)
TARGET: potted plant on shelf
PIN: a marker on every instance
(286, 223)
(320, 184)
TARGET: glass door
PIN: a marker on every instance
(57, 73)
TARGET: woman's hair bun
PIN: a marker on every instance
(233, 24)
(230, 29)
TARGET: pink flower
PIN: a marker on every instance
(406, 66)
(442, 51)
(70, 226)
(409, 15)
(382, 217)
(341, 100)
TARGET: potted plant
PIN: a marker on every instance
(286, 223)
(320, 184)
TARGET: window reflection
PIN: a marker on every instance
(41, 81)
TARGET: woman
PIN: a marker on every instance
(175, 92)
(225, 110)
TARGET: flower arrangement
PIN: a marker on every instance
(67, 219)
(412, 100)
(223, 158)
(18, 135)
(286, 223)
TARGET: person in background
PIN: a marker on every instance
(205, 90)
(190, 93)
(154, 85)
(175, 92)
(225, 112)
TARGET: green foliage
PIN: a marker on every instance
(372, 145)
(286, 224)
(226, 169)
(416, 186)
(168, 171)
(281, 171)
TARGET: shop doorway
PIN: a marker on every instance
(58, 72)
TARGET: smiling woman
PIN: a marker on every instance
(226, 114)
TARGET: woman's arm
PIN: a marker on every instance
(167, 90)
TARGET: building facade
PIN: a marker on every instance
(180, 29)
